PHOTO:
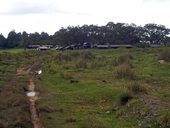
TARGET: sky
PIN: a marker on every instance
(50, 15)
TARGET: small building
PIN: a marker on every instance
(155, 45)
(49, 46)
(102, 46)
(33, 46)
(43, 48)
(114, 46)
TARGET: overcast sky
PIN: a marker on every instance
(51, 15)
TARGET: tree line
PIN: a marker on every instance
(111, 33)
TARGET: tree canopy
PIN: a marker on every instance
(111, 33)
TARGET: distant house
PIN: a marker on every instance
(102, 46)
(33, 46)
(49, 46)
(126, 46)
(86, 45)
(43, 48)
(114, 46)
(155, 45)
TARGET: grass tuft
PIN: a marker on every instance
(124, 71)
(136, 88)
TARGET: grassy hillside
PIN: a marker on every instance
(116, 88)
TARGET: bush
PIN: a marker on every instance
(124, 71)
(123, 59)
(165, 55)
(136, 88)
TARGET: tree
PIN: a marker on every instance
(13, 39)
(2, 41)
(156, 34)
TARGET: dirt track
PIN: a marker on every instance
(36, 123)
(34, 115)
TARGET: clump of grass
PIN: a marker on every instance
(124, 98)
(80, 63)
(124, 71)
(165, 55)
(60, 57)
(123, 59)
(136, 88)
(98, 63)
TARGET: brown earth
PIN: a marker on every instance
(36, 123)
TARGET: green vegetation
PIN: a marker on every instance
(111, 33)
(89, 88)
(165, 55)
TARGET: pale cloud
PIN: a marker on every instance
(50, 15)
(160, 1)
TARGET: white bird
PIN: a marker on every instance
(39, 72)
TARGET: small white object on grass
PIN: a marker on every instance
(39, 72)
(32, 93)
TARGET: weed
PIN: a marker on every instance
(136, 88)
(123, 59)
(80, 63)
(124, 71)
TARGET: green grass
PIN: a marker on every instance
(79, 88)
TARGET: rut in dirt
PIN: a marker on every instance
(32, 102)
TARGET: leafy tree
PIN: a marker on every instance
(2, 41)
(156, 34)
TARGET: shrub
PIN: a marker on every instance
(136, 88)
(124, 71)
(165, 55)
(123, 59)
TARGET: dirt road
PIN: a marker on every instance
(36, 123)
(34, 115)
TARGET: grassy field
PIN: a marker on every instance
(113, 88)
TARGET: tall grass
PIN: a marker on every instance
(124, 71)
(136, 88)
(123, 59)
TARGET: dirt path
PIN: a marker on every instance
(36, 123)
(34, 115)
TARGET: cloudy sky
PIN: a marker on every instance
(51, 15)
